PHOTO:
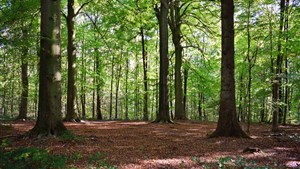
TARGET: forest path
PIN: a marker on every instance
(138, 144)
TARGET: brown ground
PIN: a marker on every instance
(146, 145)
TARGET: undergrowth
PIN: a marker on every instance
(229, 162)
(32, 157)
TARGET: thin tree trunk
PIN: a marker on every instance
(126, 89)
(98, 89)
(185, 74)
(117, 89)
(95, 84)
(111, 86)
(145, 69)
(24, 76)
(286, 69)
(83, 80)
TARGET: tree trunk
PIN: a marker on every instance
(163, 113)
(83, 80)
(71, 50)
(117, 89)
(200, 113)
(276, 91)
(286, 66)
(98, 88)
(24, 77)
(249, 67)
(185, 73)
(262, 111)
(145, 69)
(49, 121)
(175, 24)
(228, 125)
(126, 89)
(111, 86)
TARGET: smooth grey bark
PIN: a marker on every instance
(49, 120)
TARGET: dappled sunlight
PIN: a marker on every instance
(140, 144)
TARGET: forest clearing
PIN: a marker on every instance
(138, 144)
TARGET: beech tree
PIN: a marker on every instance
(163, 110)
(228, 125)
(49, 120)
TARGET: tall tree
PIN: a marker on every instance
(162, 15)
(49, 120)
(24, 78)
(175, 25)
(228, 125)
(276, 86)
(71, 49)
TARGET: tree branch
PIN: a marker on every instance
(84, 4)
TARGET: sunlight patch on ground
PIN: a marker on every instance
(283, 148)
(293, 164)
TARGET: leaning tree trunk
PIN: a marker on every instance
(228, 125)
(163, 113)
(49, 121)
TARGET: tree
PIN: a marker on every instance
(71, 94)
(276, 86)
(228, 125)
(162, 15)
(24, 78)
(175, 24)
(49, 120)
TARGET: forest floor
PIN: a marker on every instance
(138, 144)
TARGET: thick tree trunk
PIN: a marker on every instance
(163, 113)
(49, 121)
(228, 125)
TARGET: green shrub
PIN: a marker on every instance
(69, 136)
(31, 157)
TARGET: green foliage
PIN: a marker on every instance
(229, 162)
(76, 156)
(101, 160)
(69, 136)
(31, 157)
